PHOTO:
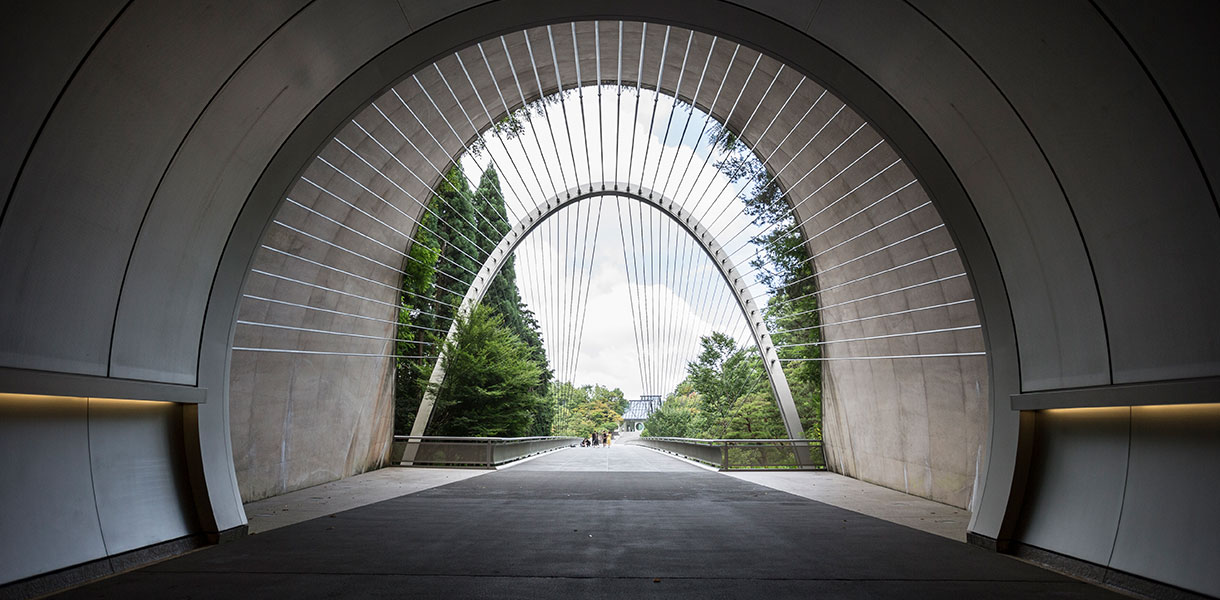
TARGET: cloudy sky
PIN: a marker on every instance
(642, 312)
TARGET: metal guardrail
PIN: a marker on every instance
(743, 454)
(473, 452)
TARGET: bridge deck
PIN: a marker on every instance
(595, 523)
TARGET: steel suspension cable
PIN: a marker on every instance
(441, 114)
(748, 178)
(359, 255)
(880, 316)
(470, 153)
(711, 109)
(491, 125)
(694, 100)
(630, 300)
(563, 105)
(443, 176)
(835, 202)
(572, 300)
(641, 298)
(618, 112)
(426, 185)
(362, 234)
(727, 119)
(589, 283)
(753, 147)
(546, 113)
(744, 128)
(792, 209)
(525, 104)
(702, 301)
(775, 177)
(673, 106)
(853, 238)
(849, 217)
(508, 114)
(601, 136)
(656, 97)
(646, 259)
(639, 77)
(580, 97)
(684, 291)
(573, 285)
(391, 204)
(689, 292)
(674, 296)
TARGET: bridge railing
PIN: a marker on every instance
(473, 452)
(743, 454)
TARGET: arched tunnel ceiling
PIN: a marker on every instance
(1044, 262)
(1068, 148)
(866, 198)
(896, 302)
(1042, 257)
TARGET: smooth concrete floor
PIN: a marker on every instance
(867, 498)
(594, 523)
(346, 494)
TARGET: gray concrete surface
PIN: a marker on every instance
(594, 523)
(346, 494)
(152, 143)
(866, 498)
(916, 425)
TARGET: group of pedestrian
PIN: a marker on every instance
(601, 438)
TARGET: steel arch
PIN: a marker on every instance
(745, 302)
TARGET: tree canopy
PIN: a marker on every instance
(725, 395)
(491, 379)
(585, 410)
(462, 224)
(783, 264)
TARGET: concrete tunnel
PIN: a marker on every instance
(1068, 231)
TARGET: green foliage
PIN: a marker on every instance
(585, 410)
(514, 123)
(490, 383)
(756, 416)
(460, 227)
(724, 395)
(783, 265)
(678, 417)
(722, 375)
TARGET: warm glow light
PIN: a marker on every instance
(31, 398)
(1152, 407)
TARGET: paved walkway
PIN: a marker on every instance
(863, 497)
(346, 494)
(594, 523)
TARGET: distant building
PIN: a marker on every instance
(639, 410)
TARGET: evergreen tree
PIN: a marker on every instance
(461, 226)
(490, 385)
(784, 266)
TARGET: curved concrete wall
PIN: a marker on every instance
(920, 423)
(111, 475)
(1068, 148)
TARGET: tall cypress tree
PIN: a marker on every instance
(466, 224)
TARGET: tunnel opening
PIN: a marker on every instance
(153, 144)
(899, 346)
